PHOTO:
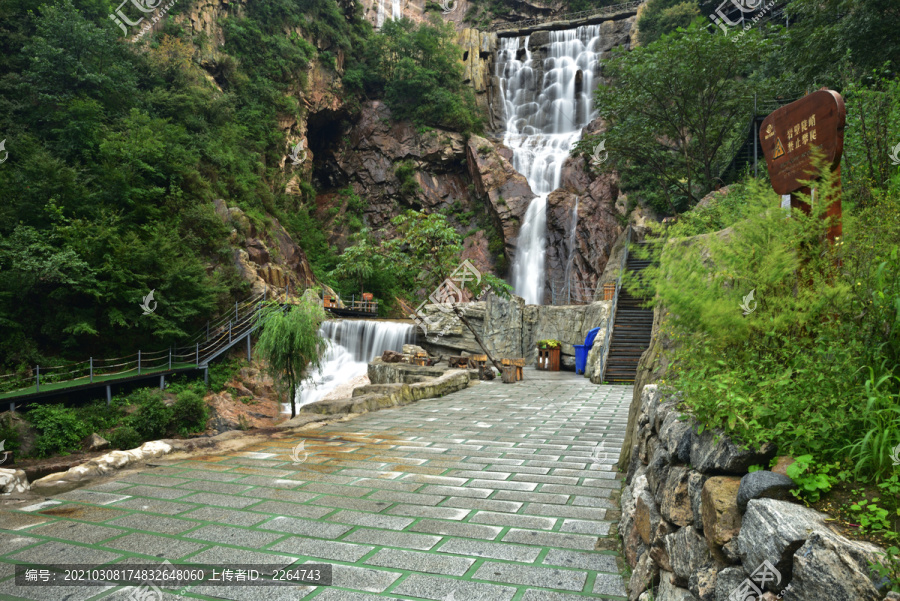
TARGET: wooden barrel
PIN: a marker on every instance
(509, 374)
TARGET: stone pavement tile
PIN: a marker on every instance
(516, 520)
(153, 479)
(93, 497)
(13, 520)
(351, 503)
(206, 475)
(371, 520)
(594, 502)
(505, 469)
(220, 515)
(422, 586)
(483, 504)
(459, 491)
(336, 489)
(76, 531)
(388, 484)
(609, 584)
(479, 548)
(219, 556)
(303, 527)
(211, 498)
(565, 511)
(7, 569)
(337, 594)
(508, 573)
(585, 527)
(362, 579)
(53, 552)
(551, 539)
(239, 537)
(85, 513)
(503, 485)
(226, 488)
(576, 490)
(157, 546)
(533, 594)
(410, 497)
(279, 494)
(155, 492)
(322, 549)
(288, 592)
(459, 529)
(10, 542)
(427, 479)
(387, 538)
(49, 593)
(597, 562)
(155, 506)
(501, 474)
(417, 511)
(416, 561)
(544, 479)
(108, 486)
(530, 497)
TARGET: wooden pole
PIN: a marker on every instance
(466, 323)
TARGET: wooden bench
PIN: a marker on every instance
(518, 364)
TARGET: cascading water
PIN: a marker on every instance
(396, 12)
(352, 344)
(543, 122)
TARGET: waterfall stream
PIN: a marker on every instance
(543, 122)
(352, 344)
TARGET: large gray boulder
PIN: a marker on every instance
(676, 434)
(675, 504)
(829, 567)
(645, 572)
(772, 531)
(764, 485)
(713, 452)
(668, 591)
(658, 472)
(727, 581)
(688, 553)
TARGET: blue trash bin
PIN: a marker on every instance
(581, 353)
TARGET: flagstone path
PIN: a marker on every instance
(495, 493)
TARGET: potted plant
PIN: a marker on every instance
(548, 354)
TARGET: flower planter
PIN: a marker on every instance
(548, 359)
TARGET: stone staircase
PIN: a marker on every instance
(632, 327)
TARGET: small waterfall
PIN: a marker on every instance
(543, 122)
(379, 19)
(395, 10)
(352, 344)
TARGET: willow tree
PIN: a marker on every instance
(290, 345)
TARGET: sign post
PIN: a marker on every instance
(788, 136)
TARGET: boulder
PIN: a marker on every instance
(829, 567)
(658, 472)
(412, 349)
(633, 465)
(772, 531)
(627, 528)
(94, 442)
(688, 553)
(391, 356)
(764, 485)
(646, 516)
(645, 572)
(727, 581)
(668, 591)
(714, 452)
(702, 583)
(676, 434)
(675, 504)
(721, 517)
(696, 480)
(12, 481)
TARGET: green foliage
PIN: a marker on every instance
(426, 248)
(721, 212)
(290, 344)
(224, 371)
(189, 413)
(548, 343)
(406, 173)
(417, 66)
(876, 427)
(124, 437)
(660, 17)
(359, 263)
(888, 569)
(9, 433)
(153, 417)
(670, 124)
(811, 482)
(59, 431)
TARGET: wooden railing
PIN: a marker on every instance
(584, 14)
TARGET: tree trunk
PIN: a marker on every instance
(292, 397)
(466, 323)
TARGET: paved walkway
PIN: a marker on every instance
(494, 493)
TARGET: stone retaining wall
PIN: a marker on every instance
(696, 526)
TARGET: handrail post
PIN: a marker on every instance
(38, 384)
(170, 358)
(236, 311)
(92, 370)
(207, 330)
(139, 362)
(197, 358)
(229, 331)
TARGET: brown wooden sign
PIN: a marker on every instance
(789, 135)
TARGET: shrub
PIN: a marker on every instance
(189, 413)
(124, 437)
(9, 433)
(152, 418)
(59, 429)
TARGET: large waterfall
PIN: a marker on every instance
(543, 122)
(352, 344)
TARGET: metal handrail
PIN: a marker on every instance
(604, 351)
(568, 16)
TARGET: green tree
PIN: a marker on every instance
(660, 17)
(426, 247)
(359, 262)
(673, 109)
(291, 346)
